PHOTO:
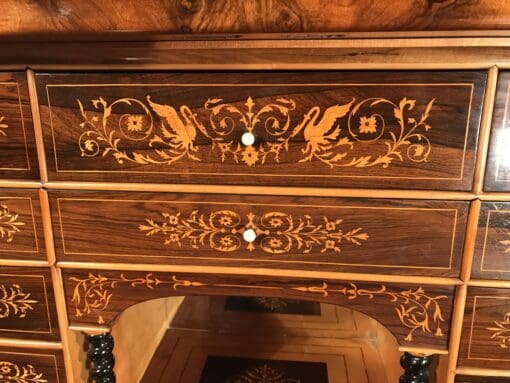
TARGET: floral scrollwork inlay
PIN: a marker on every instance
(262, 374)
(15, 302)
(338, 135)
(92, 295)
(3, 127)
(12, 373)
(9, 224)
(416, 310)
(279, 232)
(501, 331)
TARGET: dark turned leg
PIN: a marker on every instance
(101, 358)
(416, 368)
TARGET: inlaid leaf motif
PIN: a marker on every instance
(9, 224)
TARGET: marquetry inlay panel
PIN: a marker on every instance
(30, 365)
(21, 233)
(486, 331)
(27, 304)
(415, 314)
(492, 251)
(415, 130)
(384, 236)
(18, 155)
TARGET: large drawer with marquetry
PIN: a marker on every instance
(335, 234)
(31, 365)
(18, 157)
(27, 304)
(486, 329)
(21, 230)
(492, 251)
(414, 130)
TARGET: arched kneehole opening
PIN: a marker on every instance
(247, 339)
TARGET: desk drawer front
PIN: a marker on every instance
(492, 252)
(382, 129)
(21, 234)
(27, 304)
(486, 330)
(27, 365)
(410, 237)
(18, 154)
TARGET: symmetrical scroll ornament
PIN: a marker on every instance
(416, 310)
(9, 224)
(325, 137)
(3, 127)
(12, 373)
(15, 302)
(262, 374)
(279, 232)
(506, 242)
(502, 331)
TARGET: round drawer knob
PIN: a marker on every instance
(249, 235)
(248, 139)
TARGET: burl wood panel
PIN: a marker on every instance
(18, 157)
(27, 304)
(381, 236)
(492, 251)
(28, 365)
(352, 129)
(416, 314)
(21, 232)
(252, 16)
(486, 329)
(480, 379)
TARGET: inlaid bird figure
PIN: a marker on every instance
(319, 134)
(183, 125)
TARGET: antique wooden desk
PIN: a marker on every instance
(370, 172)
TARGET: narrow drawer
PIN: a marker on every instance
(486, 330)
(27, 304)
(21, 232)
(492, 251)
(27, 365)
(414, 130)
(381, 236)
(497, 176)
(18, 158)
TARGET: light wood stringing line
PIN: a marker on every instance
(456, 331)
(28, 343)
(262, 271)
(485, 128)
(470, 240)
(36, 119)
(47, 226)
(60, 303)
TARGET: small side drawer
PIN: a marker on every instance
(492, 251)
(18, 158)
(27, 365)
(27, 304)
(486, 329)
(303, 233)
(21, 232)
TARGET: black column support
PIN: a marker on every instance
(416, 368)
(101, 358)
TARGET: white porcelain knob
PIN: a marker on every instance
(248, 139)
(249, 235)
